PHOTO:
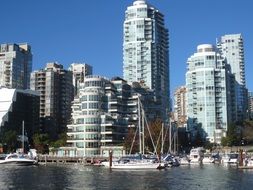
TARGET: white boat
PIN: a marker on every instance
(231, 158)
(208, 159)
(217, 157)
(133, 164)
(247, 163)
(18, 159)
(171, 161)
(184, 160)
(196, 155)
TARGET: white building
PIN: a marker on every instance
(206, 86)
(102, 114)
(145, 50)
(79, 70)
(96, 118)
(231, 47)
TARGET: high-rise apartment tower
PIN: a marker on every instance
(250, 105)
(56, 94)
(208, 86)
(145, 50)
(15, 65)
(231, 47)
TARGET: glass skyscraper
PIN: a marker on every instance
(207, 89)
(231, 47)
(250, 105)
(145, 50)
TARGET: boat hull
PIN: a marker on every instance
(134, 166)
(18, 162)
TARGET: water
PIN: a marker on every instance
(79, 177)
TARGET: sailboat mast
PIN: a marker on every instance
(143, 137)
(139, 124)
(162, 138)
(23, 137)
(170, 149)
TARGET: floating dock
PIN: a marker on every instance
(47, 159)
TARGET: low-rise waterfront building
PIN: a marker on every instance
(102, 114)
(16, 106)
(92, 124)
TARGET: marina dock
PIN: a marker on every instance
(47, 159)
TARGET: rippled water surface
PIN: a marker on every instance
(89, 178)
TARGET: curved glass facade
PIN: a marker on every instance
(206, 85)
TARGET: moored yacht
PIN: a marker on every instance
(133, 164)
(18, 159)
(196, 155)
(247, 163)
(208, 159)
(231, 158)
(171, 161)
(184, 160)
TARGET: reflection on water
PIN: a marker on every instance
(93, 178)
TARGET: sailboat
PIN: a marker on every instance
(19, 158)
(140, 161)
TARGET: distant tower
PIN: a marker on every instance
(207, 91)
(231, 47)
(145, 50)
(250, 105)
(56, 94)
(180, 106)
(79, 70)
(15, 65)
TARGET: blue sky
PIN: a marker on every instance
(69, 31)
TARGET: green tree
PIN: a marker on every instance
(247, 132)
(10, 139)
(224, 141)
(199, 141)
(60, 142)
(155, 129)
(41, 142)
(233, 136)
(130, 139)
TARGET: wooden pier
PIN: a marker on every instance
(47, 159)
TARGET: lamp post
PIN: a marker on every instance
(242, 142)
